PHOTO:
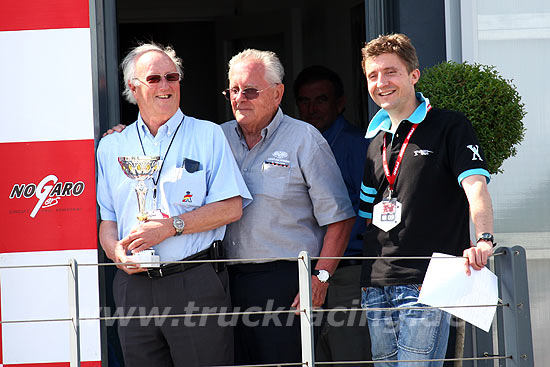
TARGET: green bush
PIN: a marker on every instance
(489, 101)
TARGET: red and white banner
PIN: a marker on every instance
(48, 196)
(18, 15)
(47, 191)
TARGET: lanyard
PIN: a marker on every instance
(391, 178)
(163, 159)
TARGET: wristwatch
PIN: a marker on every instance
(178, 224)
(322, 275)
(486, 237)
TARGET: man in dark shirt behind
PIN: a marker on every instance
(319, 94)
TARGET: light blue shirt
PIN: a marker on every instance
(297, 187)
(179, 191)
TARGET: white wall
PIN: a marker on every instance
(514, 36)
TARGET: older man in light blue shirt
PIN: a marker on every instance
(300, 203)
(216, 179)
(197, 191)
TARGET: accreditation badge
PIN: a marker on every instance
(386, 214)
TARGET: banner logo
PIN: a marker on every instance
(48, 192)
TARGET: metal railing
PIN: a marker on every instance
(513, 341)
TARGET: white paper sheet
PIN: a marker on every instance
(446, 284)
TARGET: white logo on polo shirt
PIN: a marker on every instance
(280, 154)
(422, 152)
(475, 150)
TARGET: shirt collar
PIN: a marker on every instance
(333, 130)
(168, 128)
(269, 130)
(381, 121)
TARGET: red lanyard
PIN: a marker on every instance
(391, 178)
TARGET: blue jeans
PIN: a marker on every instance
(398, 335)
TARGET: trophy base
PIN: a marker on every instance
(146, 259)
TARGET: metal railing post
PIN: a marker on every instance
(478, 343)
(514, 322)
(306, 317)
(74, 329)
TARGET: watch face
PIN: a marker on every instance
(486, 237)
(179, 224)
(323, 276)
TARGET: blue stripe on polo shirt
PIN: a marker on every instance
(368, 190)
(366, 199)
(471, 172)
(363, 214)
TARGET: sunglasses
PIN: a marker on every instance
(156, 78)
(249, 93)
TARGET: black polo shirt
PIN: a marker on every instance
(442, 151)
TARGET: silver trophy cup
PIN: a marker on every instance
(140, 169)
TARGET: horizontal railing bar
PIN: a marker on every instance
(403, 308)
(388, 257)
(105, 318)
(319, 310)
(171, 316)
(32, 321)
(256, 260)
(268, 365)
(266, 259)
(463, 359)
(33, 266)
(251, 260)
(382, 361)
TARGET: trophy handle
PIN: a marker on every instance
(141, 192)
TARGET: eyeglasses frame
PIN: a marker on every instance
(227, 91)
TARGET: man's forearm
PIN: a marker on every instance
(481, 211)
(203, 219)
(213, 215)
(481, 208)
(108, 237)
(335, 243)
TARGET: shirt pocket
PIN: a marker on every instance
(184, 190)
(275, 180)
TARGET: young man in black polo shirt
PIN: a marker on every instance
(424, 173)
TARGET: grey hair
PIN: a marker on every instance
(274, 71)
(128, 65)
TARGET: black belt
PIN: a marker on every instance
(349, 262)
(165, 270)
